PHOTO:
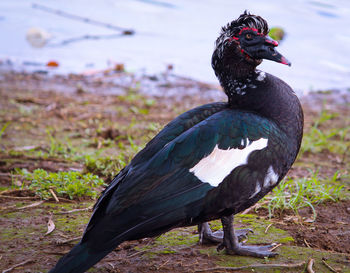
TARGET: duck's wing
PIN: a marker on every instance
(177, 127)
(169, 189)
(172, 130)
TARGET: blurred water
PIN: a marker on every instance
(182, 33)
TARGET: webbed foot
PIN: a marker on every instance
(206, 235)
(234, 247)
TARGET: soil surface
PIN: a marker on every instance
(330, 231)
(82, 111)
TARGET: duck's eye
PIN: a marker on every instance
(248, 36)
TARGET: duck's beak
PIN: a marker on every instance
(266, 50)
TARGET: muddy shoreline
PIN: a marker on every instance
(95, 114)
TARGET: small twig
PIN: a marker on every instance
(54, 195)
(74, 210)
(163, 264)
(19, 197)
(23, 157)
(309, 266)
(137, 253)
(267, 228)
(306, 243)
(191, 265)
(82, 19)
(17, 265)
(63, 235)
(87, 37)
(111, 265)
(253, 266)
(33, 205)
(26, 148)
(274, 247)
(62, 253)
(329, 267)
(63, 242)
(8, 174)
(7, 208)
(15, 191)
(66, 200)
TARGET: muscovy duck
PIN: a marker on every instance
(211, 162)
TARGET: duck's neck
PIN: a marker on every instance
(235, 74)
(265, 95)
(242, 86)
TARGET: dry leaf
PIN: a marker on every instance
(291, 218)
(50, 225)
(25, 148)
(308, 220)
(35, 204)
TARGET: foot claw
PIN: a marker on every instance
(229, 239)
(251, 250)
(243, 233)
(207, 236)
(234, 247)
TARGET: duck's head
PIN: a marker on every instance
(245, 42)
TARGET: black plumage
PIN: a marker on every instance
(211, 162)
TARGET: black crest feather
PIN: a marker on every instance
(247, 20)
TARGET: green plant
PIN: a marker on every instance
(2, 130)
(70, 184)
(137, 110)
(316, 140)
(154, 127)
(295, 194)
(58, 148)
(106, 166)
(276, 33)
(135, 148)
(109, 166)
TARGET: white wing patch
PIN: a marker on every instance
(261, 76)
(271, 177)
(257, 190)
(219, 164)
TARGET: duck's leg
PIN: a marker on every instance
(206, 234)
(234, 247)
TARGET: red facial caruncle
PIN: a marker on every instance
(255, 45)
(252, 29)
(236, 38)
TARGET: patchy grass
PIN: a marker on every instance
(109, 166)
(59, 148)
(3, 128)
(294, 194)
(323, 136)
(72, 184)
(106, 166)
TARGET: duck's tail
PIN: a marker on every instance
(78, 260)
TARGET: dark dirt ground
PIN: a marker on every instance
(83, 111)
(330, 231)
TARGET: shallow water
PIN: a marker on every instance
(180, 33)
